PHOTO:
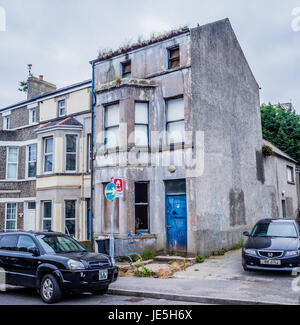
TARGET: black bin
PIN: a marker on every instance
(103, 245)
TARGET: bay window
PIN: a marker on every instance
(48, 154)
(141, 124)
(71, 152)
(111, 126)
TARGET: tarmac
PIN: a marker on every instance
(219, 280)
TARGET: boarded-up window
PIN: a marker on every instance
(107, 213)
(126, 69)
(174, 57)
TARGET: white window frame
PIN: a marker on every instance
(167, 100)
(71, 153)
(16, 219)
(107, 128)
(291, 168)
(141, 124)
(6, 122)
(33, 113)
(27, 160)
(43, 217)
(17, 163)
(48, 154)
(75, 218)
(59, 108)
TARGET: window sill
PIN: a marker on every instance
(291, 183)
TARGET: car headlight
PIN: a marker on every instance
(292, 253)
(250, 251)
(75, 265)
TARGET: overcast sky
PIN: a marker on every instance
(60, 37)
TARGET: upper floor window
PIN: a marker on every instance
(62, 107)
(32, 116)
(175, 121)
(174, 57)
(6, 122)
(141, 124)
(71, 150)
(111, 126)
(31, 154)
(48, 154)
(290, 174)
(12, 163)
(126, 69)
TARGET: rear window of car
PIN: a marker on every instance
(273, 229)
(9, 242)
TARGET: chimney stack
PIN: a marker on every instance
(38, 86)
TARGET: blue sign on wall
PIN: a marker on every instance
(111, 191)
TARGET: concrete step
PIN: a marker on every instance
(168, 258)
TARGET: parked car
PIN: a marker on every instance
(53, 263)
(273, 244)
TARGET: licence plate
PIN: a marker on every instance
(103, 274)
(270, 262)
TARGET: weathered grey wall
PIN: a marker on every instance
(226, 106)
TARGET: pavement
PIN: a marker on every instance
(24, 296)
(219, 280)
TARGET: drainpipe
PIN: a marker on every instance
(91, 221)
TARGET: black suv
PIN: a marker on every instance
(53, 263)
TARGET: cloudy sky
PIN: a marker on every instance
(59, 37)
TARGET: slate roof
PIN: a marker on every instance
(278, 151)
(67, 121)
(46, 94)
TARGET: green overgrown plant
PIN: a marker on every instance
(148, 254)
(199, 258)
(143, 273)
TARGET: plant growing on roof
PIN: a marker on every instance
(267, 151)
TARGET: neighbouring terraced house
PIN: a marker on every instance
(45, 160)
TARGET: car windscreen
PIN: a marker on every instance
(59, 244)
(275, 230)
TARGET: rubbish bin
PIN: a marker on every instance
(103, 245)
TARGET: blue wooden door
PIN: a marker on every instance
(176, 223)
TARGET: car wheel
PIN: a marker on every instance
(50, 290)
(100, 292)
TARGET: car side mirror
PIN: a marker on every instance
(246, 234)
(34, 251)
